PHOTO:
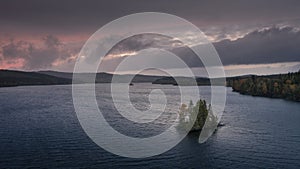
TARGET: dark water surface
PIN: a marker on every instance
(39, 129)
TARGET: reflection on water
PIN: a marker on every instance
(39, 128)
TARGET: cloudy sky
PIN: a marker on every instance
(260, 37)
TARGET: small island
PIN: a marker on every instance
(198, 113)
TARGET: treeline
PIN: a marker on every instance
(286, 86)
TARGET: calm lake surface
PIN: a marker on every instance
(39, 129)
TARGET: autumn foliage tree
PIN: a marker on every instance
(285, 86)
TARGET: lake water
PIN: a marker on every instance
(39, 128)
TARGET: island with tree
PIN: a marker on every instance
(193, 117)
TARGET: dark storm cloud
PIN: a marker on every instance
(69, 16)
(145, 41)
(14, 49)
(271, 45)
(37, 57)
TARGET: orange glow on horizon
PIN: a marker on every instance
(15, 64)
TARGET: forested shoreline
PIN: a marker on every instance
(286, 86)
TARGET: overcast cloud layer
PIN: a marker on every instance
(38, 35)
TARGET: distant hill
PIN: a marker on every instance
(10, 78)
(104, 77)
(188, 81)
(182, 81)
(66, 75)
(19, 78)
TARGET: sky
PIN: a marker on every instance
(251, 37)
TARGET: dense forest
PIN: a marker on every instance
(286, 86)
